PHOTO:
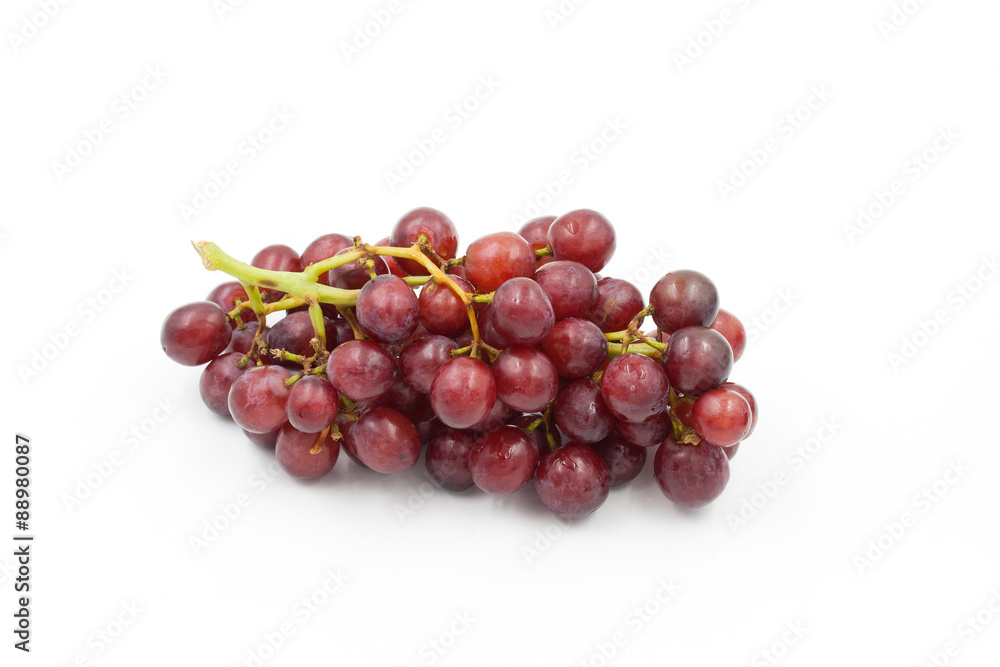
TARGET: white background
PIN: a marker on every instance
(826, 309)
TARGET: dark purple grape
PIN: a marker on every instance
(352, 275)
(690, 475)
(576, 347)
(581, 414)
(447, 458)
(583, 236)
(435, 226)
(258, 397)
(684, 299)
(312, 404)
(266, 440)
(572, 481)
(387, 309)
(294, 333)
(624, 460)
(322, 248)
(226, 296)
(420, 360)
(216, 381)
(496, 258)
(344, 331)
(386, 440)
(294, 453)
(731, 450)
(441, 310)
(570, 286)
(195, 334)
(730, 326)
(697, 360)
(503, 460)
(647, 433)
(634, 387)
(361, 370)
(526, 379)
(618, 302)
(521, 312)
(722, 416)
(463, 392)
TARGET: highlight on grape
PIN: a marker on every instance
(515, 364)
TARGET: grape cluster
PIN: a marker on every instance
(516, 362)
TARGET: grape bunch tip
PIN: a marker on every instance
(514, 363)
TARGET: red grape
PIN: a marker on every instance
(634, 387)
(690, 475)
(526, 379)
(647, 433)
(312, 404)
(503, 460)
(216, 381)
(257, 398)
(684, 299)
(294, 453)
(521, 312)
(618, 302)
(441, 310)
(322, 248)
(387, 309)
(267, 440)
(352, 275)
(386, 440)
(361, 370)
(730, 326)
(624, 460)
(570, 286)
(433, 224)
(226, 295)
(276, 257)
(496, 258)
(745, 393)
(421, 359)
(463, 392)
(195, 334)
(722, 416)
(576, 347)
(583, 236)
(581, 414)
(536, 232)
(697, 360)
(447, 458)
(572, 481)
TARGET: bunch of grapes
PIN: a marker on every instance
(517, 362)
